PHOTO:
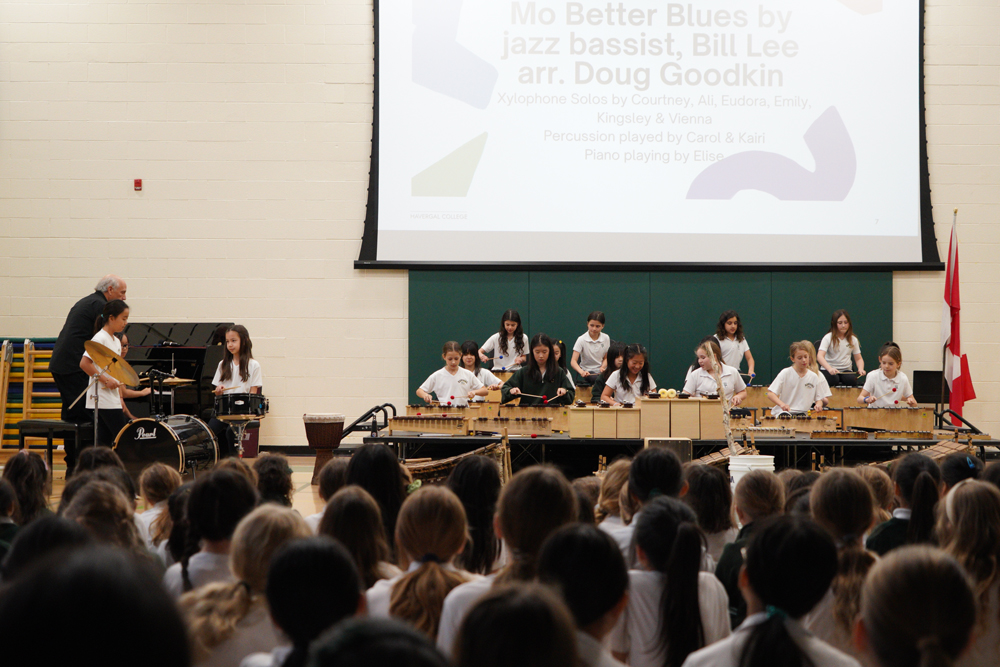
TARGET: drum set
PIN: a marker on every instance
(182, 442)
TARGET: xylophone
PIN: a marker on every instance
(429, 424)
(437, 471)
(904, 435)
(559, 414)
(889, 419)
(764, 431)
(515, 425)
(801, 423)
(720, 459)
(848, 434)
(454, 411)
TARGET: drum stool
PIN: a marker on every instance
(323, 433)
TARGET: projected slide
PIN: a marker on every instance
(719, 131)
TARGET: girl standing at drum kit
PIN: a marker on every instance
(111, 415)
(238, 373)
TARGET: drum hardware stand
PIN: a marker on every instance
(97, 396)
(156, 410)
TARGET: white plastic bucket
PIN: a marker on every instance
(742, 464)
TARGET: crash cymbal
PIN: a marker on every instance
(117, 367)
(167, 382)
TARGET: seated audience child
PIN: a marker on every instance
(969, 530)
(274, 479)
(881, 485)
(759, 495)
(376, 470)
(957, 467)
(430, 532)
(360, 642)
(95, 458)
(156, 483)
(917, 608)
(103, 509)
(172, 548)
(332, 478)
(710, 495)
(26, 472)
(93, 588)
(476, 482)
(535, 502)
(50, 537)
(352, 517)
(588, 489)
(609, 512)
(585, 566)
(915, 479)
(218, 501)
(654, 471)
(8, 505)
(790, 563)
(229, 621)
(673, 608)
(312, 585)
(842, 504)
(522, 625)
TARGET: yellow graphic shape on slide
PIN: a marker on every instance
(451, 176)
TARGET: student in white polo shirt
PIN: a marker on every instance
(590, 351)
(796, 389)
(452, 384)
(701, 380)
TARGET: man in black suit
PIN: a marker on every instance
(65, 363)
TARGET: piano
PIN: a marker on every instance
(190, 350)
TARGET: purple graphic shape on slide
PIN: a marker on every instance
(831, 147)
(440, 63)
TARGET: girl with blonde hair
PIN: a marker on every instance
(229, 621)
(430, 532)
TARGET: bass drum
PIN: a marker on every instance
(179, 441)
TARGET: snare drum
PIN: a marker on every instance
(239, 407)
(180, 441)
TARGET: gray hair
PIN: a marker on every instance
(106, 283)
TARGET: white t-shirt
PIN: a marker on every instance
(314, 520)
(275, 658)
(620, 393)
(717, 541)
(637, 631)
(887, 391)
(456, 605)
(821, 622)
(203, 568)
(800, 393)
(611, 523)
(235, 383)
(824, 386)
(700, 382)
(488, 380)
(842, 357)
(450, 388)
(508, 362)
(379, 596)
(110, 399)
(592, 352)
(733, 351)
(593, 653)
(147, 519)
(726, 653)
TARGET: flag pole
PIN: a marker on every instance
(944, 346)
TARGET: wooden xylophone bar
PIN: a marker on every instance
(430, 424)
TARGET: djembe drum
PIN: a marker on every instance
(323, 433)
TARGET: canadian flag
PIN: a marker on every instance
(956, 364)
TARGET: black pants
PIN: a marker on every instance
(224, 436)
(841, 379)
(110, 422)
(70, 386)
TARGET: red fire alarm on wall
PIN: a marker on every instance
(138, 184)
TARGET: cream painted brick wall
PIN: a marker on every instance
(250, 125)
(962, 86)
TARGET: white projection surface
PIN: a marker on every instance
(720, 131)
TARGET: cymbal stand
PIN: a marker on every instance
(97, 396)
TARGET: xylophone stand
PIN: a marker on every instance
(941, 424)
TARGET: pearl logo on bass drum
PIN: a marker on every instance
(140, 434)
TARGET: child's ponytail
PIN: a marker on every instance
(923, 503)
(667, 533)
(918, 477)
(790, 563)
